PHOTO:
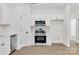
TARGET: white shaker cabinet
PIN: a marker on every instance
(4, 40)
(4, 46)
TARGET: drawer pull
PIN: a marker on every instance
(2, 44)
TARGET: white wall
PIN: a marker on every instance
(1, 13)
(67, 26)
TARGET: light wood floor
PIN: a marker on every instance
(49, 50)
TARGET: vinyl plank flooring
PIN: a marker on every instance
(48, 50)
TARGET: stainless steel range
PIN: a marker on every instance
(40, 32)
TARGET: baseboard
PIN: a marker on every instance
(58, 44)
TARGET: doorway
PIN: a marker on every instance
(73, 32)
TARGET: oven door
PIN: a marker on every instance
(40, 39)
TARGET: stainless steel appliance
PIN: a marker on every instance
(40, 39)
(40, 32)
(39, 23)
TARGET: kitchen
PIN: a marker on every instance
(32, 24)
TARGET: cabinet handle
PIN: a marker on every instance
(2, 44)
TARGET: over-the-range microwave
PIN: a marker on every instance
(39, 22)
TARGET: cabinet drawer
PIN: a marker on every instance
(3, 48)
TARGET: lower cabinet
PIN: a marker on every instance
(4, 46)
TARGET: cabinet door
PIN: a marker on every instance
(4, 46)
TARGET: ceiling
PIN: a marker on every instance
(49, 5)
(58, 6)
(73, 6)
